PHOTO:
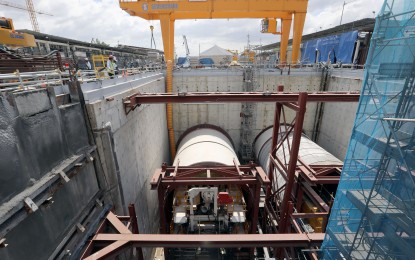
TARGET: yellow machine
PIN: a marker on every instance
(234, 55)
(100, 62)
(269, 26)
(12, 39)
(168, 11)
(315, 223)
(248, 55)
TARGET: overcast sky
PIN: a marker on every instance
(103, 19)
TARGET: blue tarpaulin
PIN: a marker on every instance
(206, 61)
(181, 60)
(340, 48)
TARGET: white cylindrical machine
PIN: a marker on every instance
(310, 152)
(205, 146)
(207, 208)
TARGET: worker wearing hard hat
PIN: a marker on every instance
(88, 64)
(111, 66)
(115, 66)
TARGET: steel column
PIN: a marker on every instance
(302, 101)
(161, 196)
(134, 228)
(275, 133)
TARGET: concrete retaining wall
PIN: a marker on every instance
(227, 116)
(38, 140)
(336, 123)
(131, 146)
(338, 118)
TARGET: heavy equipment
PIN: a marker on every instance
(12, 39)
(186, 63)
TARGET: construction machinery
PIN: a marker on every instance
(99, 63)
(247, 56)
(186, 63)
(168, 11)
(269, 26)
(234, 55)
(12, 39)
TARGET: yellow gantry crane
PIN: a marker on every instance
(168, 11)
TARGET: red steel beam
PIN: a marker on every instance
(134, 228)
(244, 168)
(110, 251)
(238, 97)
(215, 241)
(275, 132)
(208, 181)
(252, 176)
(309, 215)
(318, 201)
(117, 224)
(302, 101)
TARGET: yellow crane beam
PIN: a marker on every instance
(168, 11)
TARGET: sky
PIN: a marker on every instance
(103, 19)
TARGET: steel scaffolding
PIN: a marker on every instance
(373, 216)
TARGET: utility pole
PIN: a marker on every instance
(345, 3)
(152, 38)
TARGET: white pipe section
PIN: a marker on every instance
(310, 152)
(205, 147)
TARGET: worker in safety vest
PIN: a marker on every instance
(111, 66)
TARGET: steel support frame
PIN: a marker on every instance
(110, 245)
(299, 176)
(167, 178)
(114, 248)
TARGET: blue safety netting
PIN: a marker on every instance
(337, 48)
(373, 215)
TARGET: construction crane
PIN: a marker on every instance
(186, 64)
(168, 11)
(31, 10)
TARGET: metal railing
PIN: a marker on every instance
(41, 79)
(32, 80)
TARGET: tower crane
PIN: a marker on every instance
(167, 11)
(30, 9)
(186, 64)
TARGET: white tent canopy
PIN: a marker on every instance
(217, 54)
